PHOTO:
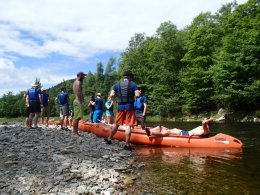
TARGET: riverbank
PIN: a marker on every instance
(48, 160)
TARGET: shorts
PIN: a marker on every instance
(45, 111)
(141, 120)
(184, 133)
(27, 112)
(64, 110)
(78, 109)
(34, 106)
(97, 117)
(126, 117)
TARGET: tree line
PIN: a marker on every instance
(213, 61)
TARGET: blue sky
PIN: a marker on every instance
(54, 39)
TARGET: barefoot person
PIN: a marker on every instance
(33, 99)
(45, 111)
(203, 130)
(63, 100)
(78, 102)
(124, 91)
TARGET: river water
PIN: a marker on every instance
(202, 171)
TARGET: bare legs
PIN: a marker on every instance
(127, 134)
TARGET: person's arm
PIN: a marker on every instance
(56, 100)
(27, 100)
(145, 109)
(205, 124)
(40, 98)
(113, 93)
(109, 106)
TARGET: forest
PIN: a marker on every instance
(213, 61)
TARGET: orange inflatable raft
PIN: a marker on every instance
(138, 136)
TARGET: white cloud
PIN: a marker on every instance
(18, 79)
(80, 29)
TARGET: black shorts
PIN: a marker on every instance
(34, 106)
(141, 120)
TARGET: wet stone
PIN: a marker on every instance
(48, 160)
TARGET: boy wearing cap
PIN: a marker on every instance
(97, 117)
(45, 111)
(124, 91)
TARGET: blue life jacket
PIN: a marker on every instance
(45, 98)
(63, 98)
(33, 94)
(125, 94)
(139, 103)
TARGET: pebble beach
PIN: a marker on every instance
(48, 160)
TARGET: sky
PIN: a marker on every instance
(55, 39)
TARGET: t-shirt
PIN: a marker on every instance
(110, 110)
(99, 104)
(45, 98)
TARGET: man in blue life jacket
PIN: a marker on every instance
(45, 106)
(124, 91)
(33, 99)
(140, 108)
(97, 117)
(63, 100)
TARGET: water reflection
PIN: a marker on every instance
(196, 155)
(202, 170)
(187, 170)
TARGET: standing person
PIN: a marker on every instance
(78, 102)
(124, 91)
(33, 99)
(27, 111)
(109, 110)
(140, 108)
(63, 100)
(45, 106)
(91, 105)
(97, 118)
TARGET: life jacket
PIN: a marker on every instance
(33, 94)
(139, 103)
(63, 98)
(125, 94)
(45, 98)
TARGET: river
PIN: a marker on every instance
(202, 171)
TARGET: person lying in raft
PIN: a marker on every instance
(202, 130)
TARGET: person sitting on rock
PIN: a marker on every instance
(202, 130)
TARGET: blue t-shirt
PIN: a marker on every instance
(45, 98)
(110, 110)
(99, 104)
(63, 98)
(126, 106)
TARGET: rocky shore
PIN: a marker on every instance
(49, 160)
